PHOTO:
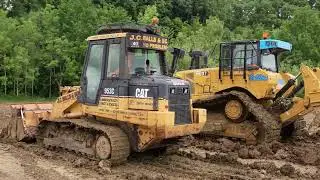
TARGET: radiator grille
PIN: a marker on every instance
(179, 99)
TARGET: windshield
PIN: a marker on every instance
(268, 62)
(143, 61)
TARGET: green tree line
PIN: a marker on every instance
(42, 42)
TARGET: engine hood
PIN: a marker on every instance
(155, 86)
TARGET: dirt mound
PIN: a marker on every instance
(303, 156)
(287, 170)
(308, 126)
(306, 153)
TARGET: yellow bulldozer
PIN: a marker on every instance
(126, 100)
(247, 96)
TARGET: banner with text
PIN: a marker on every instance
(147, 41)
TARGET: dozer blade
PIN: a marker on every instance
(306, 112)
(20, 121)
(310, 124)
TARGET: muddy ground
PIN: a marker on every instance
(200, 159)
(195, 157)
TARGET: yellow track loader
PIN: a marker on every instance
(257, 100)
(126, 101)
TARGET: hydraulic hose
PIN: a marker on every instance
(285, 88)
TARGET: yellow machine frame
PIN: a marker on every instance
(153, 126)
(205, 82)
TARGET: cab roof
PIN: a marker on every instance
(275, 44)
(120, 30)
(266, 44)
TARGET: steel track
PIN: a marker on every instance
(269, 126)
(72, 135)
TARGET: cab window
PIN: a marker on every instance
(251, 54)
(93, 71)
(143, 61)
(268, 61)
(238, 56)
(113, 60)
(226, 56)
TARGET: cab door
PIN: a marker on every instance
(93, 72)
(114, 85)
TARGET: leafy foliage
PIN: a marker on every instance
(303, 32)
(43, 41)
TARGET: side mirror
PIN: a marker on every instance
(177, 54)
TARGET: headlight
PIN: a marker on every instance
(172, 90)
(185, 90)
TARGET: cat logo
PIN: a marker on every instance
(142, 93)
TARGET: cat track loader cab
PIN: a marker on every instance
(246, 84)
(252, 65)
(245, 56)
(126, 100)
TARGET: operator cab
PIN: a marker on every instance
(119, 53)
(251, 55)
(128, 61)
(242, 56)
